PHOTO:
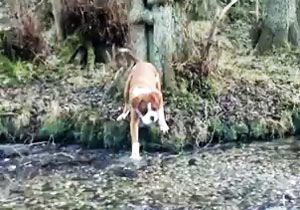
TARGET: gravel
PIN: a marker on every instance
(263, 175)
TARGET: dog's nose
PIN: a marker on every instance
(152, 118)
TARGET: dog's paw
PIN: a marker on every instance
(164, 128)
(135, 157)
(122, 117)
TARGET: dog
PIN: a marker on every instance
(143, 100)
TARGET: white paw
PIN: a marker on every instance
(164, 128)
(135, 157)
(122, 116)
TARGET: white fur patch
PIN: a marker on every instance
(150, 117)
(135, 152)
(162, 121)
(139, 91)
(157, 78)
(123, 116)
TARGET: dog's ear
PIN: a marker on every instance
(136, 101)
(140, 104)
(155, 100)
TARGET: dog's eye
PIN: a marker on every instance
(143, 108)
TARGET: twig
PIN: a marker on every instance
(257, 10)
(38, 143)
(65, 155)
(213, 30)
(211, 139)
(8, 114)
(218, 19)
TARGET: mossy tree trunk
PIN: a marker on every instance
(157, 34)
(279, 25)
(57, 7)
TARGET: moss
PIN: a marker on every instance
(242, 130)
(4, 128)
(258, 129)
(229, 133)
(68, 47)
(216, 128)
(58, 130)
(115, 134)
(15, 72)
(173, 144)
(296, 122)
(91, 58)
(89, 134)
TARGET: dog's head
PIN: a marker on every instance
(147, 106)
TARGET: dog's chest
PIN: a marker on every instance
(137, 91)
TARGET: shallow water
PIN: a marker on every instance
(263, 175)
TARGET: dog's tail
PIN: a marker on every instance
(129, 52)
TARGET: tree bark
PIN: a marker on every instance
(166, 40)
(279, 25)
(57, 6)
(138, 29)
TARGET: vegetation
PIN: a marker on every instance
(231, 95)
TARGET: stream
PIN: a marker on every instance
(259, 175)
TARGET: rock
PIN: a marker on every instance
(192, 162)
(101, 164)
(13, 150)
(124, 172)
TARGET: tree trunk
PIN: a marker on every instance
(57, 6)
(279, 25)
(137, 29)
(166, 40)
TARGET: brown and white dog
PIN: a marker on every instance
(143, 99)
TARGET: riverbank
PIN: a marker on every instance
(245, 97)
(248, 97)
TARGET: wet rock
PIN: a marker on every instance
(192, 162)
(13, 150)
(101, 164)
(124, 172)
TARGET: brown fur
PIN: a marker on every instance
(141, 102)
(143, 75)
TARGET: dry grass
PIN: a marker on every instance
(106, 24)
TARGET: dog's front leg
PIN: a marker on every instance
(126, 99)
(134, 131)
(162, 121)
(124, 113)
